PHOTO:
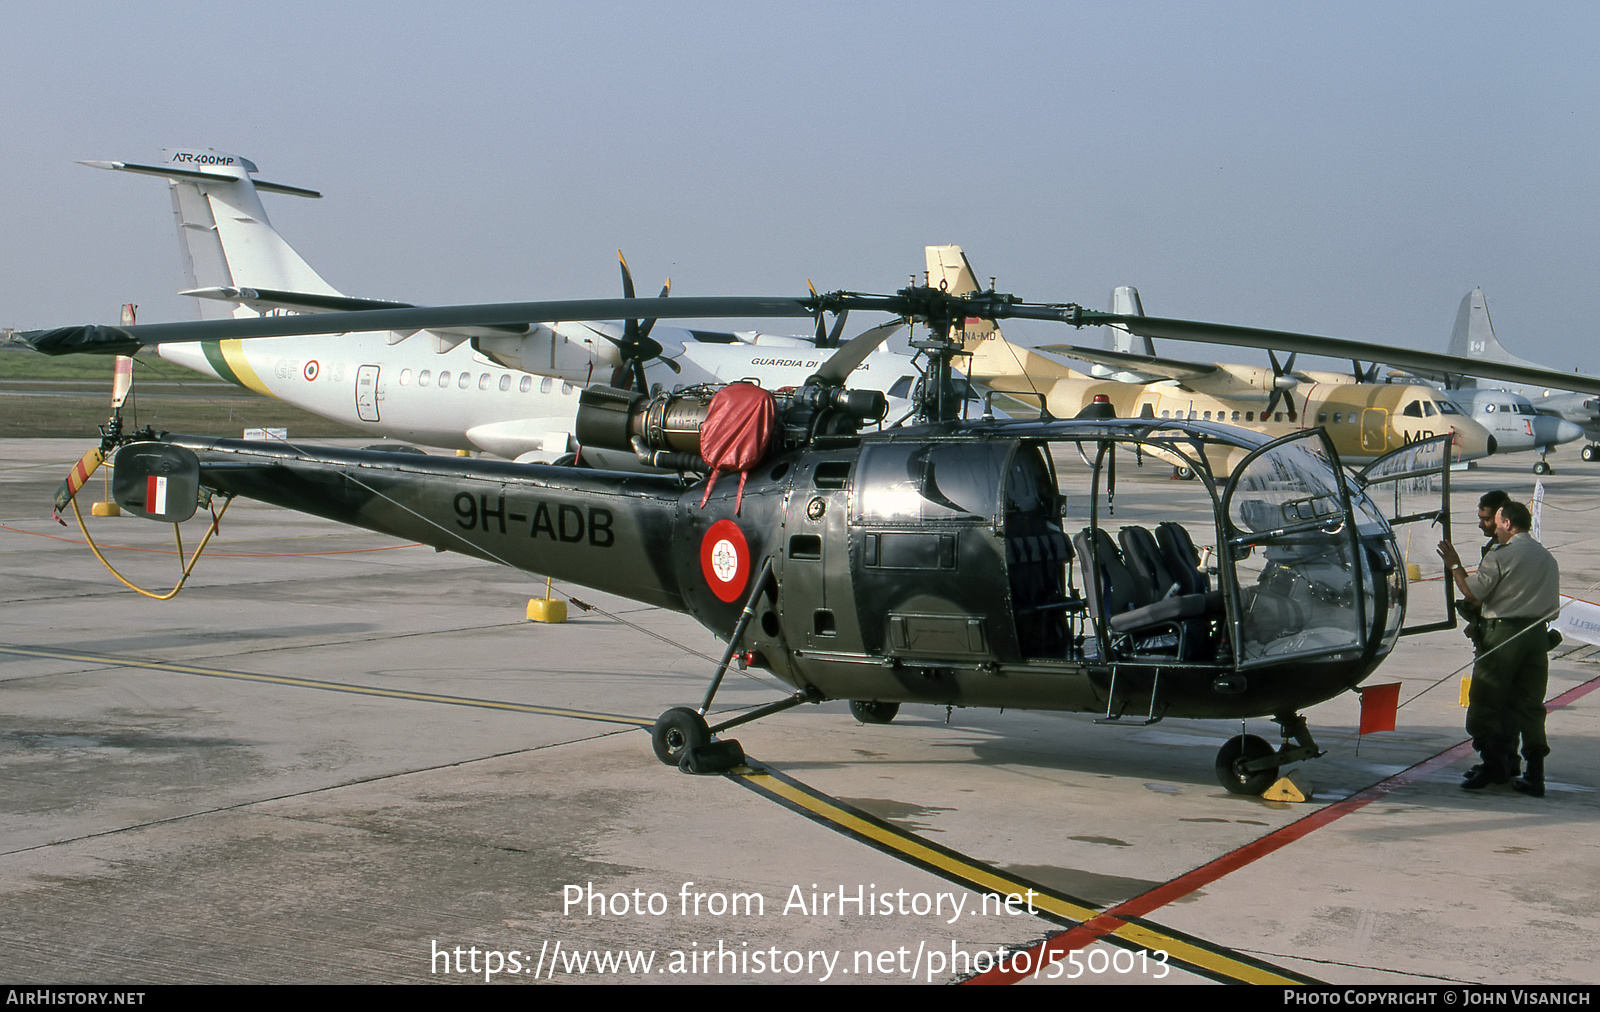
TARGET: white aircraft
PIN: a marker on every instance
(511, 391)
(1566, 416)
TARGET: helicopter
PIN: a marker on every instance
(926, 563)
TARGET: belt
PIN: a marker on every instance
(1516, 621)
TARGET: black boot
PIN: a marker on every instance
(1491, 770)
(1531, 783)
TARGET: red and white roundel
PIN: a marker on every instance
(311, 370)
(725, 560)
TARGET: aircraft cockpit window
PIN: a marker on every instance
(1293, 553)
(1525, 409)
(1428, 409)
(905, 483)
(1414, 410)
(901, 387)
(1446, 408)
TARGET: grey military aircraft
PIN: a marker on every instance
(928, 563)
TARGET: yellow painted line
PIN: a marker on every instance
(1210, 961)
(233, 353)
(312, 683)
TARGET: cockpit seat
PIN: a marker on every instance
(1173, 622)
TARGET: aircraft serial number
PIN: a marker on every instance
(565, 523)
(194, 159)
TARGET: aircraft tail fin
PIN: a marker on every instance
(227, 243)
(1125, 302)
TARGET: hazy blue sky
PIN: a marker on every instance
(1347, 169)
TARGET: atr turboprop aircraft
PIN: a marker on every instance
(508, 389)
(924, 563)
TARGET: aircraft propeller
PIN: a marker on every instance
(636, 346)
(1283, 383)
(826, 338)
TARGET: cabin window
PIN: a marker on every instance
(466, 381)
(566, 388)
(1322, 418)
(1208, 416)
(1236, 416)
(483, 381)
(525, 385)
(505, 382)
(545, 385)
(1338, 417)
(405, 376)
(1249, 416)
(1166, 414)
(444, 378)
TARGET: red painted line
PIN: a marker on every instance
(1116, 917)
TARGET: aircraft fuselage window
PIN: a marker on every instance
(505, 382)
(566, 388)
(1338, 417)
(901, 387)
(483, 381)
(444, 378)
(466, 381)
(1322, 417)
(1428, 409)
(1236, 416)
(545, 385)
(405, 376)
(525, 384)
(1446, 408)
(1249, 416)
(1166, 414)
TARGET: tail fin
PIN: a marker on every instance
(227, 243)
(1125, 302)
(949, 271)
(1473, 336)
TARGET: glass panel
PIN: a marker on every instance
(906, 482)
(1292, 548)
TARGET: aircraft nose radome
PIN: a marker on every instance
(1564, 431)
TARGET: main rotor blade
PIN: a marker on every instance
(104, 340)
(1334, 347)
(843, 362)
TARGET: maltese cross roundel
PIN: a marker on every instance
(725, 560)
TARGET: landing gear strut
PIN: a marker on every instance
(1247, 764)
(681, 729)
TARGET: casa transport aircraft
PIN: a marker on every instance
(510, 390)
(1364, 420)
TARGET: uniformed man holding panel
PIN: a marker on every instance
(1517, 586)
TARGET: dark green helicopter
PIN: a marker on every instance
(926, 563)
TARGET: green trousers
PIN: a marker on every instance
(1508, 686)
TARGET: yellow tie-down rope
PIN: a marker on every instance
(80, 474)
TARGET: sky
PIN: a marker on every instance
(1343, 169)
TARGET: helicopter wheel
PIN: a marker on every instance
(1239, 749)
(870, 711)
(1541, 467)
(677, 731)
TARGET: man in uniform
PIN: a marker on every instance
(1488, 509)
(1517, 588)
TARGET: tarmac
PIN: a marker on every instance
(338, 759)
